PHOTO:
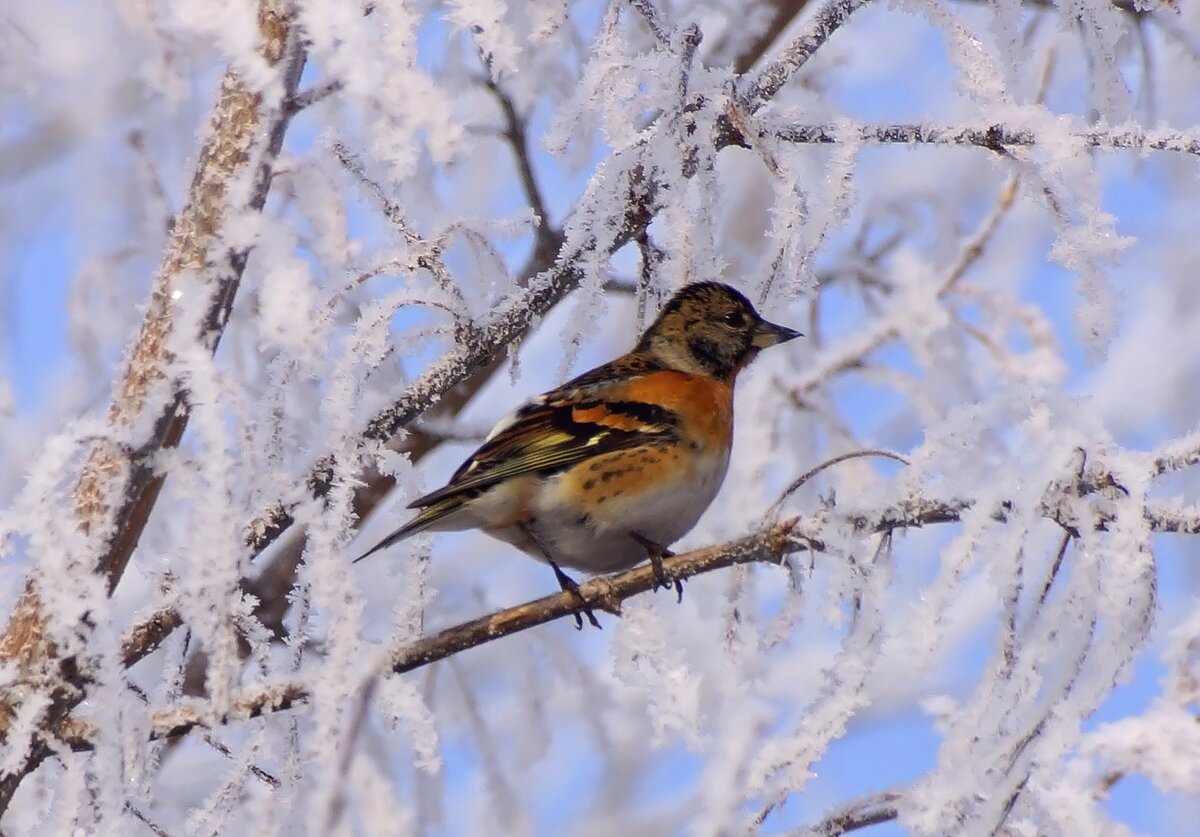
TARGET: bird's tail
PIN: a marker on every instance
(426, 518)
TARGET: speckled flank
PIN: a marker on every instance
(627, 471)
(657, 491)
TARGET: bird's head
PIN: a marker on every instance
(710, 328)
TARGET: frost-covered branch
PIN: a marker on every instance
(1169, 518)
(607, 593)
(861, 813)
(1178, 455)
(1132, 7)
(604, 593)
(190, 302)
(544, 291)
(927, 317)
(993, 137)
(828, 19)
(782, 13)
(307, 98)
(272, 585)
(514, 316)
(653, 17)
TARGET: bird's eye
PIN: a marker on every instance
(734, 318)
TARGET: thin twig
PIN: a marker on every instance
(154, 827)
(782, 13)
(817, 30)
(653, 18)
(426, 254)
(1054, 568)
(861, 813)
(308, 98)
(828, 463)
(516, 135)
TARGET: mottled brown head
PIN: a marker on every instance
(712, 329)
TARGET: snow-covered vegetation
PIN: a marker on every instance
(277, 266)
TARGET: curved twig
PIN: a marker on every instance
(828, 463)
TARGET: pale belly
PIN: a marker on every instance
(603, 542)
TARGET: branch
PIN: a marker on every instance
(551, 285)
(993, 137)
(817, 30)
(233, 149)
(861, 813)
(1168, 519)
(148, 634)
(272, 585)
(654, 21)
(748, 52)
(516, 135)
(307, 98)
(1135, 8)
(607, 593)
(480, 348)
(1178, 455)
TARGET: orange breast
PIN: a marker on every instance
(704, 405)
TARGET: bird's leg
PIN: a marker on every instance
(568, 584)
(657, 553)
(571, 586)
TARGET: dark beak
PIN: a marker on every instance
(768, 334)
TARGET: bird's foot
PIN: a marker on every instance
(657, 553)
(570, 585)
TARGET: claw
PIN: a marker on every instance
(571, 586)
(657, 553)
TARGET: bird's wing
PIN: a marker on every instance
(583, 418)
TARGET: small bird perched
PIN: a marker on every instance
(612, 467)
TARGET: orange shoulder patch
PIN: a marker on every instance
(601, 415)
(703, 404)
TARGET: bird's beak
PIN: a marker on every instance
(768, 334)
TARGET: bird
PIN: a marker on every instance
(612, 467)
